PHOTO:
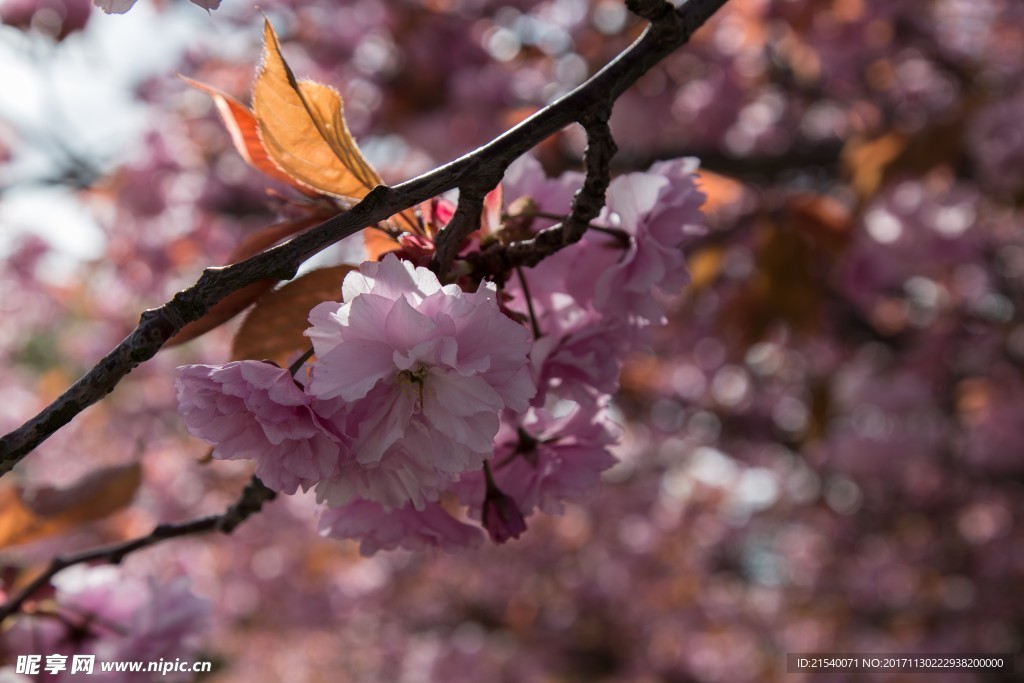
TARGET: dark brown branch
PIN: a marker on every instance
(462, 224)
(670, 30)
(250, 502)
(653, 11)
(587, 203)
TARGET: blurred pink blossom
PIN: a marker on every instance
(104, 612)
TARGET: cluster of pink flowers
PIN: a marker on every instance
(101, 611)
(423, 395)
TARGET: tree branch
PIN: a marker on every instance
(462, 224)
(586, 204)
(253, 497)
(670, 29)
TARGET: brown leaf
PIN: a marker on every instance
(302, 127)
(273, 329)
(46, 511)
(377, 242)
(786, 285)
(825, 220)
(223, 311)
(244, 131)
(236, 302)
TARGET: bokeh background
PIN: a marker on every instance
(823, 452)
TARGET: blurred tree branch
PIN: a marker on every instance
(251, 501)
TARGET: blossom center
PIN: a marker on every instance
(414, 379)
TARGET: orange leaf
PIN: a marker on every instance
(274, 328)
(244, 131)
(302, 127)
(377, 242)
(705, 266)
(46, 511)
(236, 302)
(866, 161)
(720, 190)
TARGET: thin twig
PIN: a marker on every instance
(669, 30)
(586, 205)
(534, 325)
(251, 501)
(300, 361)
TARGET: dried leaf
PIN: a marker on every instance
(824, 219)
(244, 131)
(47, 511)
(236, 302)
(303, 129)
(273, 329)
(377, 242)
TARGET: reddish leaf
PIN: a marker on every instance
(244, 131)
(720, 191)
(274, 328)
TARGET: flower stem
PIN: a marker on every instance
(300, 361)
(529, 304)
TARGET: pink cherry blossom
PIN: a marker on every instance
(633, 255)
(378, 528)
(658, 211)
(115, 6)
(546, 460)
(423, 371)
(254, 410)
(997, 143)
(578, 354)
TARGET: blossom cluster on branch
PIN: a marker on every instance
(423, 394)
